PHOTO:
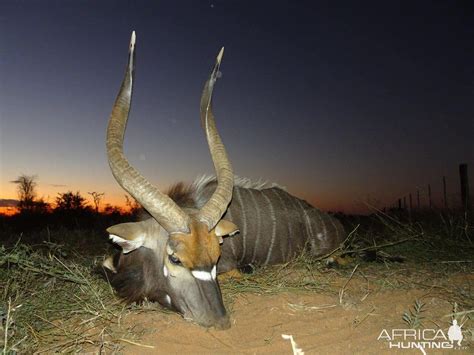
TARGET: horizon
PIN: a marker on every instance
(343, 106)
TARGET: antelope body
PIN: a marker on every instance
(274, 225)
(211, 226)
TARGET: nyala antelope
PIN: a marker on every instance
(212, 226)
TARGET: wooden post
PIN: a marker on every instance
(418, 198)
(444, 193)
(404, 202)
(464, 187)
(429, 196)
(399, 203)
(411, 203)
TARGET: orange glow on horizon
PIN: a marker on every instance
(115, 197)
(8, 211)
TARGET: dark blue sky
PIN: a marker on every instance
(338, 102)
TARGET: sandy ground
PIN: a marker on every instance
(319, 324)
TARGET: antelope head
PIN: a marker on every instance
(185, 242)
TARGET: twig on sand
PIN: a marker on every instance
(341, 293)
(135, 343)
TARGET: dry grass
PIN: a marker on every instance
(52, 300)
(51, 304)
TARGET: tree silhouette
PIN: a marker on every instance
(97, 197)
(112, 210)
(133, 206)
(41, 206)
(26, 187)
(69, 201)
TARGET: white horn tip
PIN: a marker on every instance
(219, 56)
(133, 39)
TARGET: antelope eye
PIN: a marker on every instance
(174, 260)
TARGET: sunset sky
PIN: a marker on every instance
(341, 102)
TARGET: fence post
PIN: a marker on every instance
(418, 198)
(466, 205)
(411, 203)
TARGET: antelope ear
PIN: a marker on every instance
(129, 236)
(133, 235)
(224, 228)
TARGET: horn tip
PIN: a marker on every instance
(133, 39)
(219, 56)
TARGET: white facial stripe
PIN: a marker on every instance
(214, 272)
(202, 275)
(165, 270)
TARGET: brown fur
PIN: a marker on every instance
(197, 250)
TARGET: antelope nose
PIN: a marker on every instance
(223, 323)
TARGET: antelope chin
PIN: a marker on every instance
(221, 323)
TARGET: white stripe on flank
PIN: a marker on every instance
(307, 223)
(331, 219)
(202, 275)
(257, 235)
(298, 232)
(325, 231)
(244, 221)
(272, 215)
(291, 235)
(168, 299)
(214, 272)
(288, 226)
